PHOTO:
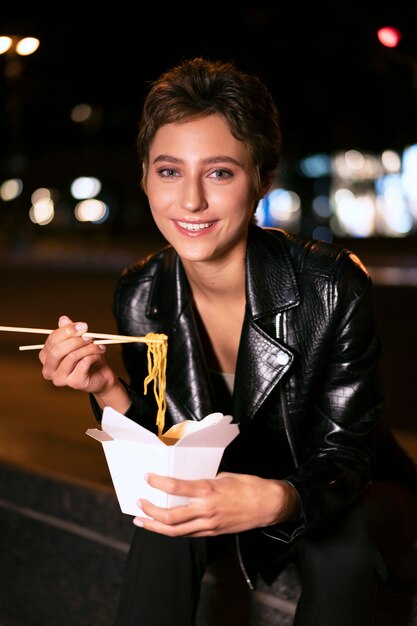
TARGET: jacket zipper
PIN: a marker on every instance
(280, 333)
(242, 565)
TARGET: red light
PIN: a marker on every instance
(389, 36)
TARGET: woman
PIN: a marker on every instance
(273, 329)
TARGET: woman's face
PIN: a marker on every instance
(200, 186)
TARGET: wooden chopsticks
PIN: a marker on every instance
(100, 338)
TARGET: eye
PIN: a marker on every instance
(167, 172)
(221, 174)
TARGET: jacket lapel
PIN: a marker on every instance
(271, 290)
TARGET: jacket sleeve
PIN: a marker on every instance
(344, 408)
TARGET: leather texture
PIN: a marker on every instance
(307, 393)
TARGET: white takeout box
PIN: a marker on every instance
(132, 451)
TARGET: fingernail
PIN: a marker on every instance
(137, 522)
(81, 327)
(101, 347)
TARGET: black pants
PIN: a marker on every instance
(342, 566)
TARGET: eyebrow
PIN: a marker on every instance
(167, 158)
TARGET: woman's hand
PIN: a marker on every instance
(229, 503)
(71, 359)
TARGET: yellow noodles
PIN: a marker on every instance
(157, 365)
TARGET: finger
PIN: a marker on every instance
(64, 320)
(67, 330)
(170, 517)
(196, 526)
(53, 337)
(56, 350)
(63, 358)
(198, 512)
(192, 529)
(85, 370)
(199, 488)
(78, 363)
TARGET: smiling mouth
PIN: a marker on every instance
(194, 227)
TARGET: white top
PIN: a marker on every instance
(223, 384)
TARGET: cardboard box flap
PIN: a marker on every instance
(118, 426)
(214, 430)
(217, 435)
(98, 434)
(181, 429)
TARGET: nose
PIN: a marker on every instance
(193, 195)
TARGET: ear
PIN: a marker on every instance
(266, 184)
(144, 174)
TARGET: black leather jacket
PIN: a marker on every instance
(306, 395)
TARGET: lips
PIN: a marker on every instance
(194, 227)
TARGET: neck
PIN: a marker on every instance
(217, 279)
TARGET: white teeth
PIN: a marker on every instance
(194, 227)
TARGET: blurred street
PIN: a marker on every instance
(43, 427)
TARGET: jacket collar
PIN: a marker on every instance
(270, 279)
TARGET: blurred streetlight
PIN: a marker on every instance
(22, 46)
(389, 36)
(14, 48)
(391, 39)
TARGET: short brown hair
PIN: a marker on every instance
(199, 87)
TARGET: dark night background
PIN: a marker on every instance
(335, 85)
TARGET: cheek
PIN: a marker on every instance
(243, 200)
(234, 197)
(159, 197)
